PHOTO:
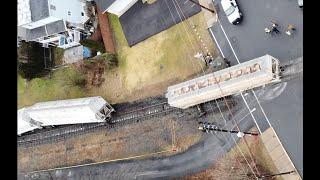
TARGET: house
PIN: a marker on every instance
(117, 7)
(52, 22)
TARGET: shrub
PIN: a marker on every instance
(69, 76)
(58, 55)
(23, 49)
(35, 65)
(31, 70)
(94, 45)
(110, 59)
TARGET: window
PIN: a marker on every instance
(53, 7)
(82, 14)
(69, 13)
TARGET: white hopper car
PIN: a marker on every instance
(232, 80)
(63, 112)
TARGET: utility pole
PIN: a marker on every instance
(202, 6)
(272, 175)
(206, 127)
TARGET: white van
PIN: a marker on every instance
(232, 11)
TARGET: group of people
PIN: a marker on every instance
(274, 29)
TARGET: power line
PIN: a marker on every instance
(188, 23)
(202, 6)
(180, 32)
(218, 86)
(273, 175)
(250, 153)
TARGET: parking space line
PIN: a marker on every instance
(254, 119)
(235, 55)
(216, 42)
(229, 42)
(267, 119)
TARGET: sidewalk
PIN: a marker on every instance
(278, 155)
(210, 17)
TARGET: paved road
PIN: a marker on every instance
(249, 41)
(282, 104)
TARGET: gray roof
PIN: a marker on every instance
(42, 31)
(103, 5)
(39, 9)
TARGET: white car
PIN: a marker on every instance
(300, 3)
(232, 11)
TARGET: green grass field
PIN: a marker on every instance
(62, 84)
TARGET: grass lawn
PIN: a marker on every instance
(147, 68)
(64, 83)
(144, 70)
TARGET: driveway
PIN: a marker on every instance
(144, 20)
(248, 40)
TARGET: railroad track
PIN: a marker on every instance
(127, 113)
(123, 116)
(119, 118)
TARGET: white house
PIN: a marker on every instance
(51, 22)
(117, 7)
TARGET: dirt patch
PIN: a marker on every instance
(93, 71)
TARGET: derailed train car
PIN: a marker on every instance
(63, 112)
(254, 73)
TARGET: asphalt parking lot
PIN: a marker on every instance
(249, 40)
(144, 20)
(246, 41)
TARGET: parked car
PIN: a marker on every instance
(300, 3)
(232, 11)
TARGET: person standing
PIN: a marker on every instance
(274, 29)
(267, 30)
(290, 29)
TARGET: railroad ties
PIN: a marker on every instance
(135, 113)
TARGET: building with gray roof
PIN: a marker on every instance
(46, 22)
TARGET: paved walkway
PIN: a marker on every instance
(278, 155)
